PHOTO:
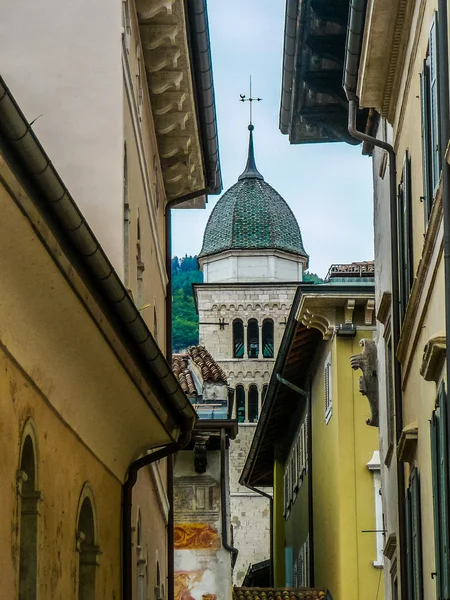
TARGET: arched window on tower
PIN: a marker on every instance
(253, 338)
(253, 397)
(267, 338)
(29, 498)
(240, 403)
(238, 339)
(264, 392)
(88, 551)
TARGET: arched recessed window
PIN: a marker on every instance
(88, 551)
(29, 498)
(267, 338)
(126, 219)
(238, 339)
(264, 392)
(253, 397)
(240, 403)
(253, 338)
(158, 591)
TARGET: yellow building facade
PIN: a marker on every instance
(315, 447)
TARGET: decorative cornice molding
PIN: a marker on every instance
(411, 72)
(166, 52)
(433, 358)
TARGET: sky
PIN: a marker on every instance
(327, 186)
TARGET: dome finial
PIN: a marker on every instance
(250, 172)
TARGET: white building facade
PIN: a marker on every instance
(252, 261)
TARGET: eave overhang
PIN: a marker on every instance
(177, 56)
(316, 312)
(386, 33)
(313, 104)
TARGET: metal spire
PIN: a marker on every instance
(250, 171)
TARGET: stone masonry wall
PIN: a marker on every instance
(249, 511)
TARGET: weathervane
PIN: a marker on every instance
(250, 100)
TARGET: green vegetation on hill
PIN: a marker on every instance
(184, 316)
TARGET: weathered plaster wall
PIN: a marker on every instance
(202, 565)
(64, 466)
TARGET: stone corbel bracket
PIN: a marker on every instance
(433, 358)
(323, 320)
(368, 382)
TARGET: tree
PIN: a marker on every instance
(185, 272)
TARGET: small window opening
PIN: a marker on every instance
(238, 339)
(253, 338)
(267, 338)
(253, 399)
(240, 403)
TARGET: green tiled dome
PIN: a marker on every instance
(252, 215)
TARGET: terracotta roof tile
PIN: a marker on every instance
(243, 593)
(182, 373)
(211, 371)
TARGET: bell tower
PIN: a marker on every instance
(252, 260)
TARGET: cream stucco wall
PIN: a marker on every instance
(425, 314)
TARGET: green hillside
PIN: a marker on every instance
(184, 318)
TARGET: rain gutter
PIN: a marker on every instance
(224, 491)
(200, 48)
(355, 33)
(289, 64)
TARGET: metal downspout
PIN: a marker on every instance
(443, 83)
(395, 327)
(233, 551)
(127, 514)
(270, 498)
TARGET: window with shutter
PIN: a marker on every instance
(439, 463)
(328, 389)
(405, 254)
(434, 106)
(431, 159)
(414, 539)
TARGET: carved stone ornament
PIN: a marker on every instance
(200, 453)
(368, 382)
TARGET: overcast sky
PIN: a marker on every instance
(328, 186)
